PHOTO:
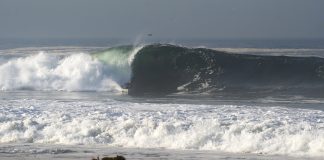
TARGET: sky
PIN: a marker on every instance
(165, 19)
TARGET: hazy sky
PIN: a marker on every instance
(181, 19)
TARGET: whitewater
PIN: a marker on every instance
(72, 103)
(74, 72)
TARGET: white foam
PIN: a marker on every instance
(229, 128)
(44, 71)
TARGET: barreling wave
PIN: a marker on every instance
(160, 69)
(164, 69)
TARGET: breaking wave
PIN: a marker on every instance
(77, 72)
(163, 69)
(102, 71)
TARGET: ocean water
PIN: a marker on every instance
(77, 101)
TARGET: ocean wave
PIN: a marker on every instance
(164, 69)
(160, 69)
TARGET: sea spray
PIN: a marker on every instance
(43, 71)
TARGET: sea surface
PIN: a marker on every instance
(74, 99)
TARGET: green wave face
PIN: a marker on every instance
(117, 56)
(117, 60)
